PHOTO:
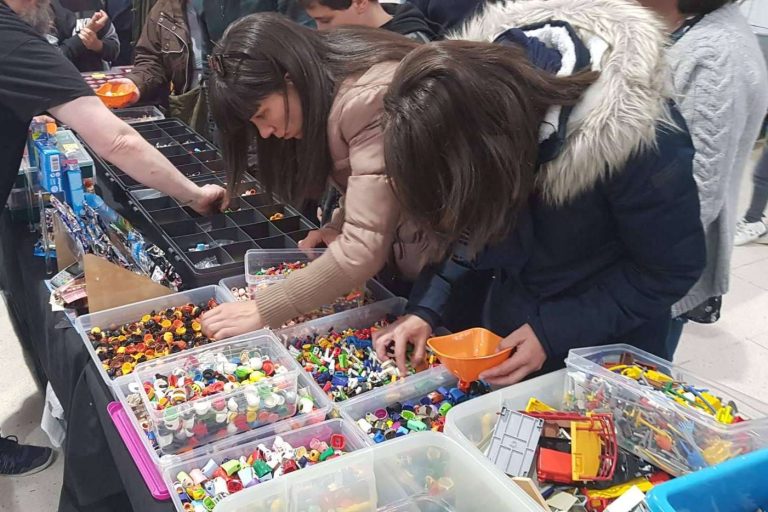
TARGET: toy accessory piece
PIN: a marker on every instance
(514, 442)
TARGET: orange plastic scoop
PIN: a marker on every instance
(468, 353)
(116, 95)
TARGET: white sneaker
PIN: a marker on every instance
(748, 232)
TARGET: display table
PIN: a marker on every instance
(99, 474)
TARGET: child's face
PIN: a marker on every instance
(326, 18)
(280, 115)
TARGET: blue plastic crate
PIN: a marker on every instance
(737, 485)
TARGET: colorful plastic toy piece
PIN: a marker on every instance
(594, 450)
(514, 442)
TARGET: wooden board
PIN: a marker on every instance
(530, 488)
(65, 253)
(110, 286)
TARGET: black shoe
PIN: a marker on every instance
(22, 459)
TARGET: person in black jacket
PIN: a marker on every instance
(90, 43)
(402, 19)
(586, 213)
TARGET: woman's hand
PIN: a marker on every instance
(527, 356)
(317, 237)
(409, 329)
(231, 319)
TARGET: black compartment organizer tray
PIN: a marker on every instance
(189, 152)
(208, 249)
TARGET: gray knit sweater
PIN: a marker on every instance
(721, 86)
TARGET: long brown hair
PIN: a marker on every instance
(252, 61)
(461, 135)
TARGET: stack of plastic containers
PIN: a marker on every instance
(310, 404)
(257, 260)
(665, 414)
(425, 471)
(133, 313)
(204, 415)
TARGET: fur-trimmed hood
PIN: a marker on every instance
(620, 112)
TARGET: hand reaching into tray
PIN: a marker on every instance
(231, 319)
(394, 339)
(211, 199)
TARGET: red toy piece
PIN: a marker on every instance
(338, 441)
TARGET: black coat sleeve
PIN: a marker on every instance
(69, 43)
(655, 203)
(110, 43)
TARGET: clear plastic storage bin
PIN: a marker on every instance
(244, 446)
(651, 423)
(472, 423)
(190, 423)
(359, 318)
(258, 259)
(375, 290)
(412, 388)
(128, 393)
(422, 472)
(133, 115)
(133, 313)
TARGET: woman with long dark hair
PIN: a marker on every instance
(588, 214)
(313, 102)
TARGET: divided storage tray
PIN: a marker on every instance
(697, 438)
(189, 152)
(224, 239)
(246, 445)
(181, 422)
(422, 472)
(132, 313)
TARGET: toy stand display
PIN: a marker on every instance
(108, 285)
(305, 416)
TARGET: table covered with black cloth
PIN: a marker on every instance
(99, 474)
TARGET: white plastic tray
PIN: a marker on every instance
(390, 477)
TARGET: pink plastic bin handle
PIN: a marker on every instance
(138, 452)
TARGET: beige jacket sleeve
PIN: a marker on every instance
(370, 216)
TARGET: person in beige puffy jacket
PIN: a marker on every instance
(313, 101)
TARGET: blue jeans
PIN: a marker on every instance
(673, 336)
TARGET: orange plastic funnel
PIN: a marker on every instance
(116, 95)
(468, 353)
